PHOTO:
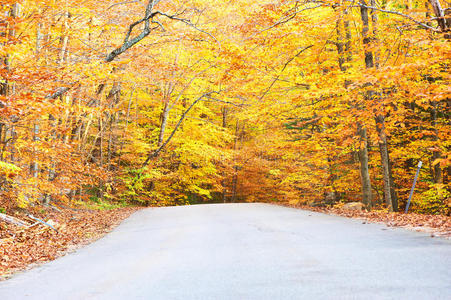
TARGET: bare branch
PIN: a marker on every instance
(211, 99)
(120, 3)
(399, 14)
(159, 24)
(59, 91)
(128, 43)
(189, 23)
(12, 220)
(284, 20)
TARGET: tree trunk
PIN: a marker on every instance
(364, 170)
(340, 44)
(390, 196)
(385, 160)
(64, 39)
(223, 182)
(10, 87)
(235, 167)
(375, 41)
(369, 63)
(348, 36)
(440, 15)
(164, 121)
(34, 165)
(394, 195)
(437, 171)
(371, 60)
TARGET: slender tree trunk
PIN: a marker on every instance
(394, 195)
(340, 43)
(369, 63)
(34, 165)
(348, 37)
(437, 171)
(3, 92)
(442, 20)
(127, 121)
(389, 189)
(64, 38)
(389, 185)
(101, 141)
(345, 56)
(164, 120)
(385, 160)
(371, 60)
(110, 145)
(39, 38)
(364, 170)
(235, 167)
(375, 40)
(101, 154)
(225, 111)
(114, 97)
(10, 87)
(223, 182)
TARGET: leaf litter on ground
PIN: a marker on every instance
(24, 247)
(436, 225)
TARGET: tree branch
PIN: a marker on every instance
(283, 69)
(130, 42)
(212, 99)
(189, 23)
(155, 153)
(120, 3)
(59, 91)
(284, 20)
(399, 14)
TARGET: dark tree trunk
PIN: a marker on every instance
(370, 60)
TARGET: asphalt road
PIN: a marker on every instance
(244, 251)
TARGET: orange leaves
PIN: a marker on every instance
(443, 162)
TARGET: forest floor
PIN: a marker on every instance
(22, 248)
(436, 225)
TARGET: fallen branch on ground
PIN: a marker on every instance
(12, 220)
(40, 221)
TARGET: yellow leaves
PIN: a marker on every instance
(9, 170)
(153, 173)
(22, 200)
(294, 202)
(200, 191)
(275, 172)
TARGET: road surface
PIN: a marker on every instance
(244, 251)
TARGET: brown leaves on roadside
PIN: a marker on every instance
(438, 225)
(19, 247)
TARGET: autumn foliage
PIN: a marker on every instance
(174, 102)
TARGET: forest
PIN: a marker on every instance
(158, 103)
